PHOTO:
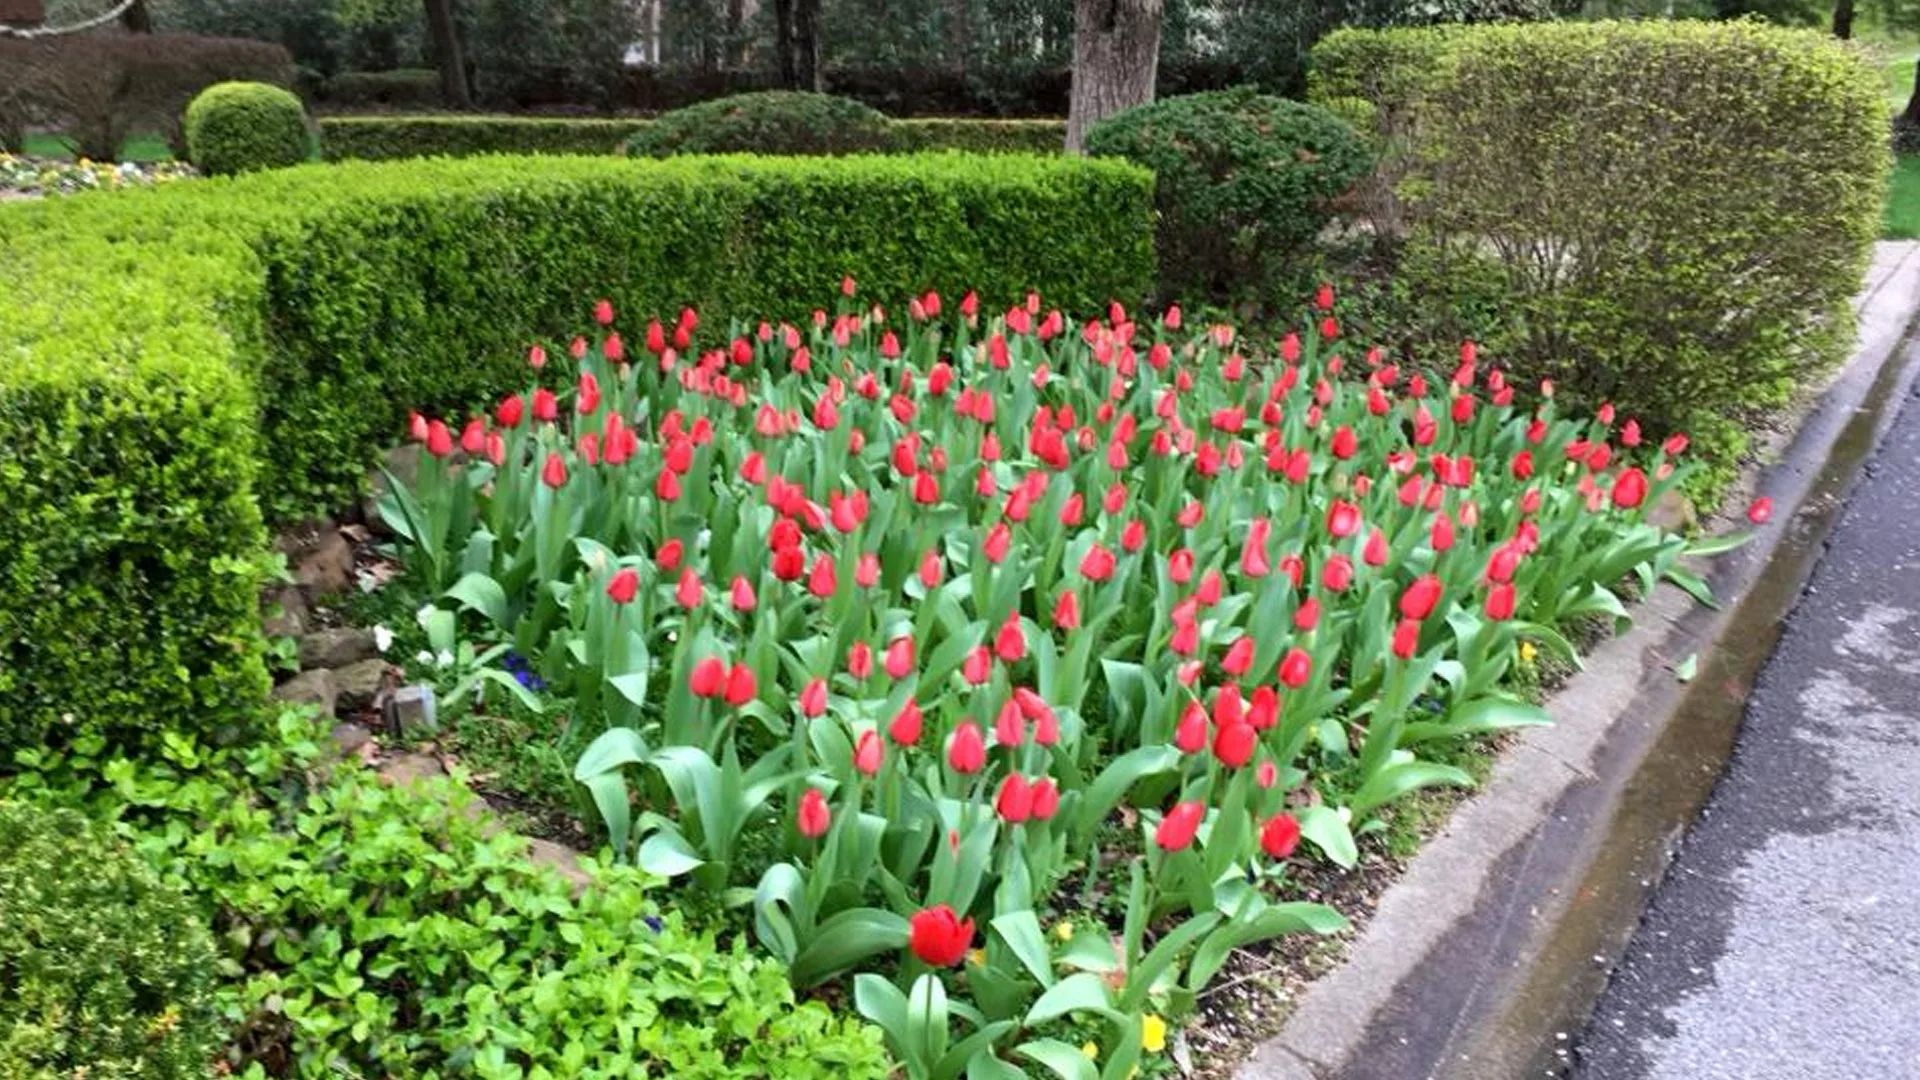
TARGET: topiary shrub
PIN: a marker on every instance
(236, 127)
(1679, 211)
(769, 122)
(104, 972)
(1243, 181)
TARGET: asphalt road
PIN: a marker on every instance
(1784, 942)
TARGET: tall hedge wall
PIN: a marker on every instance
(379, 138)
(1676, 213)
(178, 365)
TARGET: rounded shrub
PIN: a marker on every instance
(236, 127)
(1243, 181)
(104, 972)
(769, 122)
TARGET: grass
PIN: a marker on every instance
(1902, 217)
(143, 147)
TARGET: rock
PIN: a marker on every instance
(412, 706)
(348, 738)
(406, 770)
(1674, 512)
(360, 683)
(337, 648)
(562, 859)
(286, 612)
(327, 566)
(314, 688)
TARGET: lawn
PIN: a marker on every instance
(143, 147)
(1902, 220)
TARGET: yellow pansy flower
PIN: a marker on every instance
(1528, 652)
(1092, 1051)
(1063, 930)
(1153, 1034)
(977, 957)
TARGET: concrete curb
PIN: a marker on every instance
(1494, 945)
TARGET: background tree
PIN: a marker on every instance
(1116, 60)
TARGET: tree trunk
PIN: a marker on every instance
(446, 54)
(807, 74)
(783, 43)
(1843, 19)
(137, 19)
(1116, 57)
(1909, 121)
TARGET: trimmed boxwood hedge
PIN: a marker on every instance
(377, 138)
(174, 360)
(1676, 214)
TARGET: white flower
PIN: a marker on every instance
(1346, 815)
(382, 638)
(425, 613)
(423, 656)
(445, 659)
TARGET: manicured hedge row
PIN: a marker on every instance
(376, 138)
(172, 361)
(1675, 213)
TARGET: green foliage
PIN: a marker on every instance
(979, 136)
(1243, 181)
(106, 972)
(402, 88)
(1679, 212)
(383, 931)
(236, 127)
(146, 341)
(769, 122)
(376, 138)
(1902, 219)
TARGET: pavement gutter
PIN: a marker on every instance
(1490, 951)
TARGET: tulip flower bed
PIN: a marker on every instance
(901, 634)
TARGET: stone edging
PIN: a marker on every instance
(1490, 951)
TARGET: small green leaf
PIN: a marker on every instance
(667, 855)
(478, 592)
(1686, 669)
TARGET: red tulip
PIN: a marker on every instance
(936, 935)
(1761, 511)
(905, 729)
(1046, 799)
(1010, 644)
(1337, 573)
(1239, 656)
(1267, 775)
(1295, 667)
(554, 473)
(899, 658)
(1441, 537)
(709, 677)
(623, 587)
(1406, 638)
(1421, 596)
(1177, 829)
(999, 541)
(1190, 734)
(688, 592)
(1344, 442)
(1280, 835)
(1343, 519)
(859, 660)
(510, 411)
(1502, 564)
(669, 555)
(741, 686)
(544, 406)
(867, 752)
(812, 817)
(1066, 611)
(741, 595)
(1500, 601)
(967, 752)
(1629, 488)
(1014, 802)
(1097, 564)
(978, 665)
(603, 312)
(866, 570)
(1675, 445)
(536, 357)
(1375, 551)
(813, 699)
(1307, 615)
(1009, 726)
(1234, 744)
(473, 439)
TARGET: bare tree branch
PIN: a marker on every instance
(30, 33)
